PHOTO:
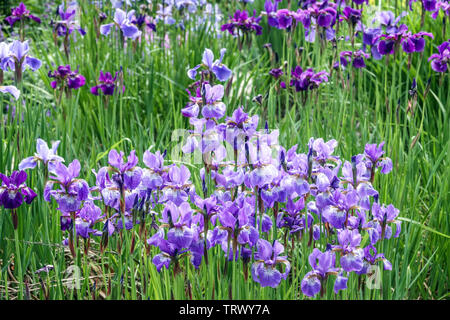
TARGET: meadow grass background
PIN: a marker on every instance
(371, 107)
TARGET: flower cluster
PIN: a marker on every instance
(242, 22)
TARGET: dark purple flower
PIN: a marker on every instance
(357, 58)
(359, 2)
(13, 190)
(66, 78)
(304, 80)
(440, 61)
(241, 21)
(284, 18)
(107, 84)
(352, 16)
(325, 13)
(414, 42)
(21, 13)
(429, 5)
(276, 73)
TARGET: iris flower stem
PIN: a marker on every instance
(19, 263)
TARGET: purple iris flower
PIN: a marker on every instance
(235, 217)
(359, 2)
(180, 234)
(43, 154)
(352, 16)
(271, 9)
(389, 42)
(177, 184)
(357, 58)
(192, 109)
(66, 78)
(164, 13)
(370, 38)
(11, 90)
(388, 20)
(67, 23)
(304, 80)
(276, 73)
(324, 13)
(179, 237)
(267, 257)
(440, 61)
(336, 213)
(107, 84)
(13, 190)
(21, 13)
(216, 67)
(374, 153)
(415, 42)
(72, 191)
(292, 219)
(323, 151)
(371, 257)
(213, 107)
(127, 173)
(352, 255)
(152, 177)
(88, 216)
(241, 21)
(284, 18)
(142, 20)
(110, 183)
(384, 215)
(122, 20)
(429, 5)
(169, 255)
(18, 59)
(323, 265)
(443, 5)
